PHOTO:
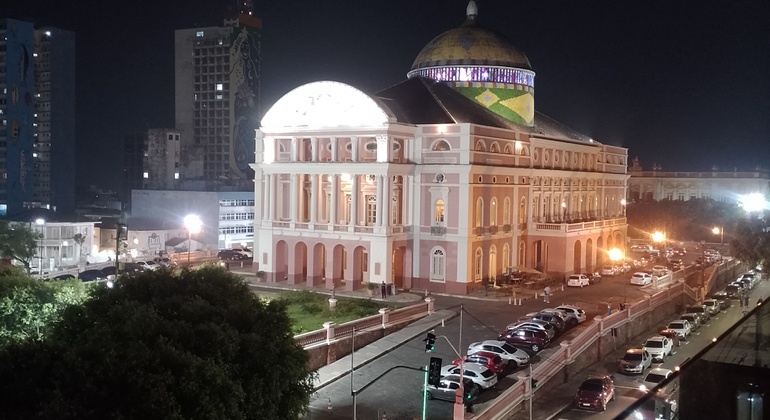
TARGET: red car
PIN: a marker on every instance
(595, 392)
(487, 359)
(534, 340)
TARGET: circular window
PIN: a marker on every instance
(396, 146)
(371, 146)
(534, 155)
(494, 180)
(349, 146)
(439, 177)
(481, 179)
(507, 180)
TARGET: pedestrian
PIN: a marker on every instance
(609, 309)
(547, 294)
(383, 290)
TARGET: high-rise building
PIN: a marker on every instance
(160, 162)
(218, 72)
(37, 109)
(54, 146)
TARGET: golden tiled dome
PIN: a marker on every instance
(471, 45)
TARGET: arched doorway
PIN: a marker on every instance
(576, 258)
(589, 255)
(298, 271)
(600, 252)
(538, 255)
(398, 267)
(281, 267)
(492, 264)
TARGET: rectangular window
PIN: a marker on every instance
(199, 34)
(219, 86)
(371, 210)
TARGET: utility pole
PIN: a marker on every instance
(118, 231)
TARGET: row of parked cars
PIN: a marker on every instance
(489, 360)
(110, 272)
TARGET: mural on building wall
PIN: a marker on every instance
(245, 76)
(511, 102)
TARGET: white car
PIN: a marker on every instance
(575, 315)
(549, 329)
(659, 347)
(608, 270)
(682, 328)
(641, 278)
(244, 251)
(148, 265)
(479, 374)
(659, 270)
(513, 355)
(578, 280)
(712, 305)
(655, 377)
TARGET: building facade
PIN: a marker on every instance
(217, 85)
(160, 162)
(718, 185)
(442, 182)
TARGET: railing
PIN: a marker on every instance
(363, 229)
(479, 230)
(506, 228)
(438, 230)
(492, 230)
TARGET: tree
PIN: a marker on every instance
(18, 242)
(79, 239)
(751, 242)
(193, 345)
(29, 308)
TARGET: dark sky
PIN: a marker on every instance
(685, 84)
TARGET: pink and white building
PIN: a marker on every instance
(440, 182)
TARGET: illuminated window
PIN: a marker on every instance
(477, 265)
(479, 210)
(371, 210)
(199, 34)
(176, 175)
(146, 175)
(219, 86)
(493, 212)
(441, 146)
(439, 211)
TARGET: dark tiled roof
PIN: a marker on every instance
(420, 100)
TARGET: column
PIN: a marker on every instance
(405, 200)
(333, 142)
(380, 201)
(387, 193)
(313, 198)
(259, 195)
(271, 196)
(314, 148)
(354, 148)
(335, 187)
(293, 202)
(294, 149)
(353, 220)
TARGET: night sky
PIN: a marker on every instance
(684, 84)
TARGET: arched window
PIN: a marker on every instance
(479, 212)
(508, 150)
(480, 146)
(494, 148)
(523, 211)
(439, 211)
(522, 253)
(437, 265)
(492, 263)
(477, 265)
(507, 211)
(506, 257)
(493, 212)
(440, 146)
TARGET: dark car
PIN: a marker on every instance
(595, 392)
(91, 275)
(447, 387)
(556, 320)
(593, 278)
(672, 335)
(534, 340)
(733, 291)
(110, 271)
(131, 269)
(701, 310)
(230, 255)
(62, 277)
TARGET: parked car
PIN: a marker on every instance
(244, 251)
(148, 265)
(536, 324)
(701, 310)
(514, 356)
(672, 335)
(595, 392)
(447, 387)
(487, 359)
(534, 340)
(713, 306)
(230, 255)
(722, 298)
(641, 278)
(593, 278)
(479, 374)
(659, 270)
(575, 315)
(131, 269)
(62, 277)
(693, 319)
(635, 360)
(577, 280)
(608, 270)
(675, 265)
(659, 347)
(559, 321)
(682, 327)
(91, 275)
(110, 272)
(165, 261)
(733, 291)
(655, 377)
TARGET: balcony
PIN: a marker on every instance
(479, 230)
(578, 226)
(506, 228)
(493, 230)
(438, 230)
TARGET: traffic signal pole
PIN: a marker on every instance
(459, 408)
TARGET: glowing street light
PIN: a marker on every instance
(658, 236)
(753, 202)
(616, 255)
(193, 225)
(719, 231)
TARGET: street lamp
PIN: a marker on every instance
(753, 202)
(193, 225)
(721, 232)
(40, 222)
(616, 255)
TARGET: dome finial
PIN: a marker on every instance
(472, 10)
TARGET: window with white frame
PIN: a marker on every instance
(439, 211)
(493, 212)
(437, 265)
(506, 257)
(507, 211)
(371, 210)
(523, 211)
(477, 265)
(479, 212)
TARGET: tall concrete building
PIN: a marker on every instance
(37, 109)
(160, 161)
(55, 163)
(218, 72)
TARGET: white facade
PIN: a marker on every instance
(465, 202)
(58, 247)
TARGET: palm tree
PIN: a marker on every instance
(79, 239)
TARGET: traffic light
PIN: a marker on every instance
(533, 383)
(434, 371)
(430, 342)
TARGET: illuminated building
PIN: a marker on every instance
(442, 182)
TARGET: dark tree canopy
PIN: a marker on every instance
(751, 242)
(691, 220)
(193, 345)
(18, 242)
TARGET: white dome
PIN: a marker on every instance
(324, 104)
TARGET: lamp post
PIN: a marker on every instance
(193, 225)
(721, 232)
(40, 222)
(616, 255)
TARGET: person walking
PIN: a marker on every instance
(547, 294)
(383, 290)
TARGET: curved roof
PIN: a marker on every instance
(325, 104)
(471, 44)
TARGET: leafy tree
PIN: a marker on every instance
(751, 242)
(18, 242)
(193, 345)
(79, 239)
(29, 307)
